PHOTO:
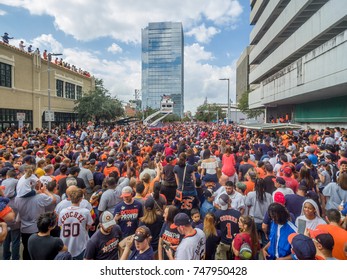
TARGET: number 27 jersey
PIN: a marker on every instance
(73, 222)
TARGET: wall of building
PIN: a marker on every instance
(29, 89)
(242, 72)
(320, 74)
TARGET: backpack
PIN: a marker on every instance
(245, 252)
(333, 171)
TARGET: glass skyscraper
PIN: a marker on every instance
(163, 65)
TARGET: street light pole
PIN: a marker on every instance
(49, 88)
(228, 111)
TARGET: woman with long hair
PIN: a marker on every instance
(222, 147)
(306, 179)
(278, 247)
(184, 174)
(258, 202)
(209, 167)
(168, 237)
(149, 182)
(212, 235)
(152, 220)
(248, 233)
(159, 199)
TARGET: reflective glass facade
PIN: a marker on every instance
(163, 64)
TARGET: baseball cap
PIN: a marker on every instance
(322, 237)
(208, 193)
(127, 191)
(107, 220)
(241, 186)
(149, 203)
(279, 180)
(279, 198)
(181, 219)
(103, 156)
(27, 158)
(169, 158)
(223, 201)
(323, 163)
(142, 233)
(287, 171)
(302, 246)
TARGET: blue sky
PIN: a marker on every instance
(104, 38)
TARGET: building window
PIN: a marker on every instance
(8, 118)
(60, 88)
(69, 91)
(5, 75)
(79, 92)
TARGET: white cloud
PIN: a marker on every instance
(114, 48)
(120, 77)
(47, 42)
(202, 79)
(2, 12)
(123, 20)
(203, 34)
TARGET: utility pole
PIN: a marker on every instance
(49, 58)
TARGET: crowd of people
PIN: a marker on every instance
(45, 55)
(188, 191)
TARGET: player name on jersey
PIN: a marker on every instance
(72, 214)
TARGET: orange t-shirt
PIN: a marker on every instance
(109, 169)
(249, 186)
(60, 176)
(261, 172)
(4, 212)
(340, 238)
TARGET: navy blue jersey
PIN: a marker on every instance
(228, 224)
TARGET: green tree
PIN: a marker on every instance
(98, 105)
(244, 107)
(172, 118)
(208, 112)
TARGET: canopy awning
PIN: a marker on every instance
(272, 126)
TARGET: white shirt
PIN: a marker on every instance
(74, 221)
(192, 247)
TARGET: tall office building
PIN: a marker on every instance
(297, 59)
(163, 65)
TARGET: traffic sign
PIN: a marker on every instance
(20, 116)
(49, 116)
